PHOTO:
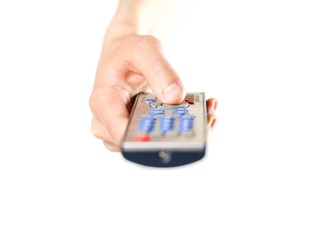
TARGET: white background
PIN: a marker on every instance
(263, 175)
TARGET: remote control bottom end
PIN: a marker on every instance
(164, 158)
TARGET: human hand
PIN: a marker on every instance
(129, 66)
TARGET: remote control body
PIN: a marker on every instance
(164, 135)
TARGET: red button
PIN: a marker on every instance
(190, 100)
(142, 138)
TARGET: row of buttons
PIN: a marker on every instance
(176, 111)
(165, 106)
(190, 98)
(155, 103)
(167, 123)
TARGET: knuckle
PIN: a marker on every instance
(96, 132)
(99, 131)
(98, 98)
(93, 100)
(151, 40)
(147, 41)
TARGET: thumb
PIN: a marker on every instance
(159, 74)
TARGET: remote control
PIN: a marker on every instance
(165, 135)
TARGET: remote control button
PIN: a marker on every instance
(142, 138)
(166, 124)
(147, 123)
(157, 111)
(180, 111)
(183, 105)
(186, 123)
(191, 117)
(190, 98)
(150, 98)
(169, 106)
(166, 106)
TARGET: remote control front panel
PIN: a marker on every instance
(164, 135)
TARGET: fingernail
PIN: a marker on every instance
(173, 92)
(215, 105)
(211, 109)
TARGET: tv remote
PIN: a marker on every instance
(166, 135)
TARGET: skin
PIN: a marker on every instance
(132, 62)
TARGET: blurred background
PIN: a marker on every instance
(262, 177)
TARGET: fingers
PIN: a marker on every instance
(211, 105)
(161, 77)
(100, 132)
(109, 107)
(111, 147)
(213, 123)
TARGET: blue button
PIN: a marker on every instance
(147, 124)
(157, 111)
(186, 123)
(150, 98)
(166, 124)
(180, 111)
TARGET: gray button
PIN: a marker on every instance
(166, 106)
(184, 105)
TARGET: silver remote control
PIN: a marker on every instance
(164, 135)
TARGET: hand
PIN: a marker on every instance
(129, 66)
